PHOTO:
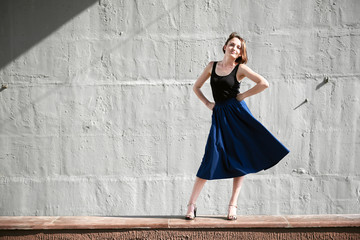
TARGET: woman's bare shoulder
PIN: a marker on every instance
(243, 66)
(242, 71)
(209, 66)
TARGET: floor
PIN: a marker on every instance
(176, 222)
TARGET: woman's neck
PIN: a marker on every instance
(228, 61)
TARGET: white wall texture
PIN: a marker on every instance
(99, 117)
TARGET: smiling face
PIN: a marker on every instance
(233, 47)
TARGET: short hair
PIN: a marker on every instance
(243, 58)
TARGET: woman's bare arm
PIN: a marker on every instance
(261, 82)
(200, 82)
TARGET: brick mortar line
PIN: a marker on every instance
(92, 178)
(313, 77)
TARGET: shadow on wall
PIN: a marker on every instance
(24, 23)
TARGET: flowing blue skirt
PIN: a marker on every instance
(238, 144)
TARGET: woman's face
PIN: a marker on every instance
(233, 48)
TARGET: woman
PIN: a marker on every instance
(237, 144)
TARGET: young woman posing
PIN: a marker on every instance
(238, 144)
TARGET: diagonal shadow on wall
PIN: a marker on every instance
(9, 51)
(24, 23)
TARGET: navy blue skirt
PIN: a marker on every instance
(238, 144)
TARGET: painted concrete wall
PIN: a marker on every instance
(99, 117)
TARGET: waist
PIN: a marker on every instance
(226, 101)
(225, 95)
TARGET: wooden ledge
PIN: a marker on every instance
(176, 222)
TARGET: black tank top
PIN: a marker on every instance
(224, 87)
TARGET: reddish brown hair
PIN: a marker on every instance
(243, 58)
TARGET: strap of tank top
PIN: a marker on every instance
(236, 68)
(213, 68)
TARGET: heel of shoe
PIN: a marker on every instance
(231, 217)
(192, 215)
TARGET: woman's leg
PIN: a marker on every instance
(237, 183)
(198, 185)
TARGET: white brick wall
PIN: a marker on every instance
(99, 117)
